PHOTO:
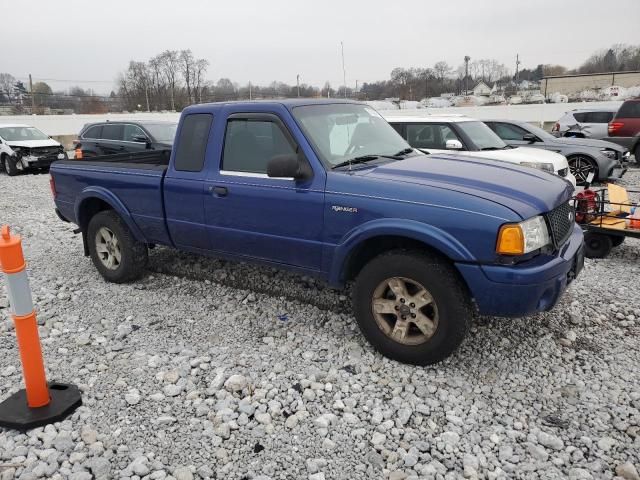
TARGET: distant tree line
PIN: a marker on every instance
(174, 79)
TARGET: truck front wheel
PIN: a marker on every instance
(412, 307)
(115, 252)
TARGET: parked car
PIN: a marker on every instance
(586, 156)
(625, 127)
(469, 137)
(108, 138)
(584, 123)
(327, 188)
(24, 148)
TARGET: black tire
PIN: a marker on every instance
(581, 166)
(9, 166)
(617, 240)
(452, 303)
(133, 254)
(597, 245)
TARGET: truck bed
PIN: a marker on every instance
(133, 181)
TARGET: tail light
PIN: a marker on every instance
(614, 127)
(78, 153)
(52, 184)
(556, 128)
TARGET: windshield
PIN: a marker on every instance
(482, 136)
(162, 132)
(18, 134)
(340, 132)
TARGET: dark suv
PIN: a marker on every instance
(624, 129)
(108, 138)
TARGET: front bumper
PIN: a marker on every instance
(35, 161)
(526, 288)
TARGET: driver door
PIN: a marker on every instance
(252, 215)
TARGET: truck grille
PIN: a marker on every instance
(561, 220)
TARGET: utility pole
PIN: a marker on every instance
(250, 91)
(146, 94)
(466, 73)
(344, 72)
(33, 99)
(298, 84)
(517, 73)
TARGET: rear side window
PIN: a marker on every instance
(93, 132)
(580, 117)
(629, 110)
(250, 144)
(113, 131)
(599, 117)
(192, 142)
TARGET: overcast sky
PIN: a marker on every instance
(261, 41)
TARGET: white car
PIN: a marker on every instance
(26, 148)
(467, 136)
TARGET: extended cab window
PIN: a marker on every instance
(192, 142)
(249, 144)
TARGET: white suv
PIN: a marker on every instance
(467, 136)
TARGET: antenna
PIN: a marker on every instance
(518, 62)
(344, 72)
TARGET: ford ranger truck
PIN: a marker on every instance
(328, 188)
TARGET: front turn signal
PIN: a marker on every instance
(510, 240)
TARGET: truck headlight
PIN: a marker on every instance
(523, 237)
(547, 167)
(608, 153)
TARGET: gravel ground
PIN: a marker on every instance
(208, 369)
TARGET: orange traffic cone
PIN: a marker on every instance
(38, 404)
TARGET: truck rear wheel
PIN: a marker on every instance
(412, 307)
(115, 252)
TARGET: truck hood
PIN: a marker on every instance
(526, 191)
(526, 154)
(34, 143)
(585, 142)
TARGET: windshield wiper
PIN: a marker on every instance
(356, 160)
(403, 152)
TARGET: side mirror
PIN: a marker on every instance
(529, 137)
(139, 138)
(289, 166)
(453, 145)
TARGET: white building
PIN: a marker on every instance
(481, 90)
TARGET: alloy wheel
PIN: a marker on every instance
(108, 248)
(405, 311)
(581, 167)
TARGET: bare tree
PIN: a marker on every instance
(187, 67)
(7, 82)
(199, 71)
(170, 66)
(442, 70)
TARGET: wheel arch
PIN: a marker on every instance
(96, 199)
(392, 234)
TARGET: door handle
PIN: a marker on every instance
(219, 191)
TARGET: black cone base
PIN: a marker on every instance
(16, 414)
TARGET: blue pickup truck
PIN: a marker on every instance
(328, 188)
